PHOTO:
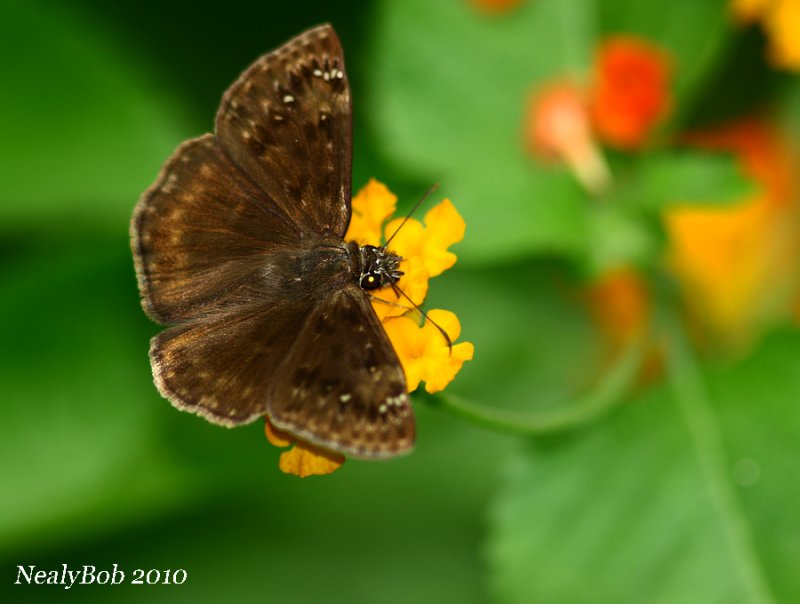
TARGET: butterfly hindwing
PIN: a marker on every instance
(222, 367)
(342, 385)
(287, 123)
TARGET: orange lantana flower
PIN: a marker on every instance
(620, 304)
(423, 351)
(631, 90)
(738, 264)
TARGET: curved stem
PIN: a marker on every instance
(612, 387)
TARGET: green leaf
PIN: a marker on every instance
(687, 177)
(449, 89)
(85, 130)
(621, 237)
(535, 346)
(78, 403)
(686, 495)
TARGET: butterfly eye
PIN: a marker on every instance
(370, 282)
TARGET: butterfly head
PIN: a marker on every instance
(379, 267)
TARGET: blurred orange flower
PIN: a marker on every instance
(631, 90)
(781, 21)
(557, 127)
(628, 96)
(738, 264)
(422, 350)
(620, 304)
(496, 6)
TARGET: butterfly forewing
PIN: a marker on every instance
(343, 387)
(201, 232)
(287, 122)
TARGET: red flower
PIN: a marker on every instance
(631, 90)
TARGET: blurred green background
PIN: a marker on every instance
(687, 492)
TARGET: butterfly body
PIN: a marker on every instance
(239, 248)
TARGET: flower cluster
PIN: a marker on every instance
(734, 263)
(628, 96)
(424, 352)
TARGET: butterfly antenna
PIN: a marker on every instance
(400, 292)
(414, 209)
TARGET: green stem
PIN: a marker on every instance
(704, 430)
(611, 389)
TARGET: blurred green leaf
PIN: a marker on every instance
(686, 177)
(621, 236)
(449, 91)
(535, 345)
(448, 104)
(84, 129)
(636, 510)
(78, 403)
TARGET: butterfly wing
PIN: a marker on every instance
(329, 375)
(342, 386)
(228, 244)
(287, 123)
(221, 368)
(201, 233)
(276, 175)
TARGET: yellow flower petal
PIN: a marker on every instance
(409, 240)
(446, 320)
(276, 437)
(444, 227)
(423, 351)
(782, 24)
(440, 373)
(371, 206)
(304, 460)
(747, 11)
(408, 342)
